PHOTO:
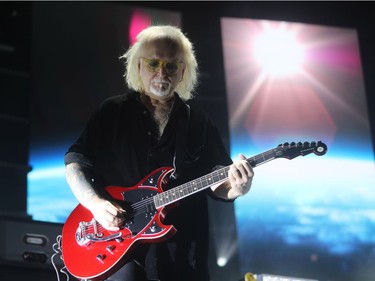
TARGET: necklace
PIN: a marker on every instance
(160, 111)
(161, 117)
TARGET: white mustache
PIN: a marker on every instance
(160, 81)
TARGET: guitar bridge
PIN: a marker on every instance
(88, 232)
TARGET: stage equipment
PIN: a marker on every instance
(268, 277)
(29, 243)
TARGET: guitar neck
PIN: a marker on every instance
(218, 176)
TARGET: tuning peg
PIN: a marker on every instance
(321, 148)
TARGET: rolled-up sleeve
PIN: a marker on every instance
(74, 157)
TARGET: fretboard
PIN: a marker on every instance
(218, 176)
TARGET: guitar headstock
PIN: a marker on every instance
(293, 149)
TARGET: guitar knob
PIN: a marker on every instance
(100, 257)
(119, 239)
(110, 248)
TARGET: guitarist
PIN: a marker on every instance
(149, 127)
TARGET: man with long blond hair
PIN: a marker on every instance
(151, 126)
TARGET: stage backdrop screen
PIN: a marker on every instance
(312, 216)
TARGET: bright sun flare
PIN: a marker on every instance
(278, 52)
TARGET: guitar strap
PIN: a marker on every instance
(181, 137)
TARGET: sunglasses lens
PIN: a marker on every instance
(154, 65)
(171, 67)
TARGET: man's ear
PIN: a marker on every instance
(182, 74)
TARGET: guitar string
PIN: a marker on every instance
(199, 180)
(140, 207)
(169, 193)
(172, 193)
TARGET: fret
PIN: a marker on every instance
(262, 158)
(194, 186)
(204, 181)
(160, 199)
(221, 174)
(200, 185)
(285, 150)
(179, 192)
(184, 191)
(174, 194)
(167, 197)
(215, 177)
(189, 188)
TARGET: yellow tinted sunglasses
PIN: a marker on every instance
(154, 65)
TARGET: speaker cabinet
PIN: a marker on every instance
(28, 243)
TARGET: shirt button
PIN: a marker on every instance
(144, 111)
(149, 133)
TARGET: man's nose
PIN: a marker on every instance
(162, 72)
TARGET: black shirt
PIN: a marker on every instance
(120, 146)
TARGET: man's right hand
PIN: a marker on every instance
(109, 214)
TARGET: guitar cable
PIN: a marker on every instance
(57, 249)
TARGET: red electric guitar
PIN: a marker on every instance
(91, 252)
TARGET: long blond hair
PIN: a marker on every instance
(186, 87)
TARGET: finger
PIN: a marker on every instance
(113, 210)
(245, 164)
(235, 171)
(231, 173)
(105, 222)
(112, 223)
(249, 169)
(111, 227)
(119, 208)
(240, 170)
(241, 156)
(245, 169)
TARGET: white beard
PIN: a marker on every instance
(160, 88)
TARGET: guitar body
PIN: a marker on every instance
(91, 252)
